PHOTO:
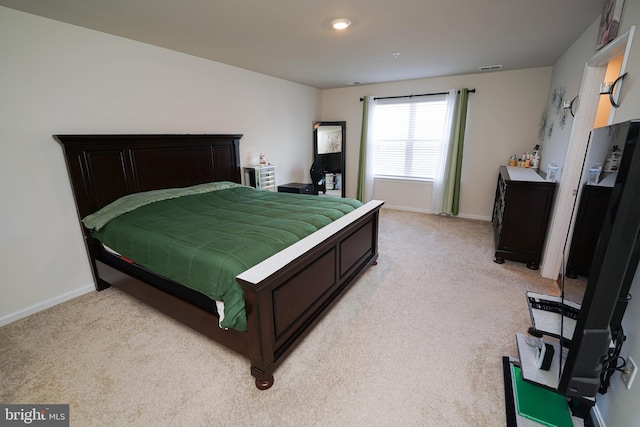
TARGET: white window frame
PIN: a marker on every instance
(431, 131)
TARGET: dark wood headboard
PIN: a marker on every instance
(103, 168)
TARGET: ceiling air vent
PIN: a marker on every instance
(490, 68)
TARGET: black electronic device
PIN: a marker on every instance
(598, 324)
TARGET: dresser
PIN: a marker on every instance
(260, 176)
(521, 213)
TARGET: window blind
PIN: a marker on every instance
(407, 135)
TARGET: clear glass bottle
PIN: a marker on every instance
(593, 176)
(552, 172)
(613, 161)
(535, 157)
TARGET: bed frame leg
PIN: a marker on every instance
(264, 384)
(101, 285)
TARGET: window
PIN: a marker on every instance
(407, 136)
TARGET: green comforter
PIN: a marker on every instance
(204, 240)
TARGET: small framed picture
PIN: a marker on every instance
(609, 22)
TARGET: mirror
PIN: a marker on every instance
(328, 148)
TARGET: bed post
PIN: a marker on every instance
(261, 352)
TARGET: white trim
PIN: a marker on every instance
(567, 190)
(476, 217)
(613, 49)
(5, 320)
(426, 211)
(269, 266)
(406, 208)
(400, 178)
(567, 193)
(597, 416)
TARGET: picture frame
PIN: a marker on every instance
(609, 22)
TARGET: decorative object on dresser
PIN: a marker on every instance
(521, 215)
(285, 296)
(260, 176)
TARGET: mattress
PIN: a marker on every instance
(204, 236)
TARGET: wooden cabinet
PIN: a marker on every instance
(592, 210)
(260, 176)
(521, 215)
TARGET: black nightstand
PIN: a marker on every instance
(296, 187)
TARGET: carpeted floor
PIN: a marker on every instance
(417, 341)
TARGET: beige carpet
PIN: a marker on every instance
(418, 341)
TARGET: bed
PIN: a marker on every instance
(285, 295)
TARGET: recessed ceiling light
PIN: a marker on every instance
(340, 24)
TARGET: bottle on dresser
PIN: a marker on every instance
(613, 161)
(535, 157)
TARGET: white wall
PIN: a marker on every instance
(619, 407)
(567, 75)
(57, 78)
(502, 120)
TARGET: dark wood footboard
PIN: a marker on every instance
(284, 304)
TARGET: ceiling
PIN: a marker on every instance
(293, 40)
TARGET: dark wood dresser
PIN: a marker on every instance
(521, 215)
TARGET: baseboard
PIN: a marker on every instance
(596, 417)
(476, 217)
(412, 209)
(405, 208)
(5, 320)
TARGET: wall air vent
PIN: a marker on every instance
(490, 68)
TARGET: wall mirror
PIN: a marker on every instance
(328, 155)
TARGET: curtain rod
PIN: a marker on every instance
(411, 96)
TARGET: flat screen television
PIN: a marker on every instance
(599, 322)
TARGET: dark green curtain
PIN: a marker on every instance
(452, 186)
(365, 180)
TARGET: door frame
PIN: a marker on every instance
(561, 226)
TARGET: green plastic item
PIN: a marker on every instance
(539, 404)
